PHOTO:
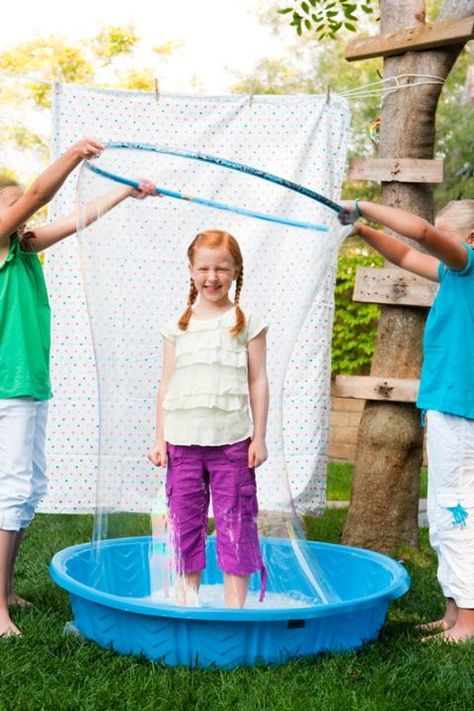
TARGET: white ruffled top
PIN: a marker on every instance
(207, 399)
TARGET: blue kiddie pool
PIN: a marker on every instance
(109, 590)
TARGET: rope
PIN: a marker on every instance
(359, 92)
(365, 90)
(26, 77)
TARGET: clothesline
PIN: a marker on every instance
(379, 87)
(383, 87)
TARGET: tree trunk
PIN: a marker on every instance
(383, 513)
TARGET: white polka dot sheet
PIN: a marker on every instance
(112, 287)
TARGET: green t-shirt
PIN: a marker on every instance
(25, 325)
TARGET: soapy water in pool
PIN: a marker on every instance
(212, 597)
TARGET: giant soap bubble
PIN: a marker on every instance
(135, 279)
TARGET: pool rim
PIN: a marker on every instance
(396, 588)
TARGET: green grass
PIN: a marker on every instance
(339, 481)
(47, 670)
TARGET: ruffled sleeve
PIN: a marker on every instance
(255, 325)
(170, 330)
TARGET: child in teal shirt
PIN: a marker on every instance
(446, 391)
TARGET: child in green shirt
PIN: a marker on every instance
(24, 349)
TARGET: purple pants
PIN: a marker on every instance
(194, 471)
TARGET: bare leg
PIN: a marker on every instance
(446, 622)
(7, 544)
(13, 598)
(188, 588)
(235, 590)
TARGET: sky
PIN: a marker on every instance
(221, 38)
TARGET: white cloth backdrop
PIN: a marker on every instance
(302, 138)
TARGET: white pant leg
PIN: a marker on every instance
(451, 503)
(433, 476)
(39, 483)
(17, 426)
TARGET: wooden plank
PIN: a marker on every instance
(375, 285)
(396, 170)
(339, 450)
(367, 387)
(439, 34)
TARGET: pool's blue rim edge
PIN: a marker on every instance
(397, 588)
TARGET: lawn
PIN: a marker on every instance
(47, 670)
(340, 478)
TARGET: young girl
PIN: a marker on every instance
(446, 389)
(213, 364)
(24, 351)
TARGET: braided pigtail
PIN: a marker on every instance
(239, 314)
(185, 318)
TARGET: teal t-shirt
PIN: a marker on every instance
(447, 374)
(25, 325)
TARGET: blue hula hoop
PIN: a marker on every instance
(223, 162)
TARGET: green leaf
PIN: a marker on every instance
(350, 27)
(285, 10)
(305, 7)
(307, 24)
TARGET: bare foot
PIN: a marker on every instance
(461, 631)
(10, 630)
(7, 628)
(448, 620)
(437, 626)
(14, 599)
(456, 634)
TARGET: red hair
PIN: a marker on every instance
(213, 239)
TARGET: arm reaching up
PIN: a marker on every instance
(441, 242)
(47, 235)
(45, 187)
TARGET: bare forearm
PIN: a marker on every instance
(44, 187)
(48, 183)
(259, 401)
(399, 253)
(48, 235)
(394, 218)
(95, 209)
(389, 247)
(160, 415)
(435, 240)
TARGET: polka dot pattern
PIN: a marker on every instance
(123, 277)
